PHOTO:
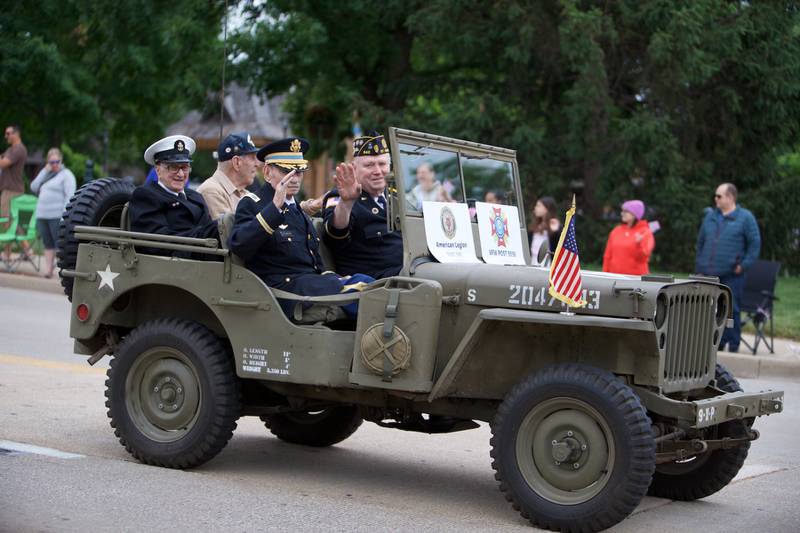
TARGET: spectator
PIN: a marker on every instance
(494, 196)
(55, 185)
(727, 245)
(428, 188)
(12, 164)
(629, 244)
(545, 228)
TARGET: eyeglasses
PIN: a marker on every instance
(174, 169)
(54, 161)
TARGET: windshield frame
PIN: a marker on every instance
(461, 149)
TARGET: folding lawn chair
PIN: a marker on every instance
(22, 228)
(757, 299)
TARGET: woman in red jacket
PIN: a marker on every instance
(630, 244)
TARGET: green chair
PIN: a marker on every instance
(22, 228)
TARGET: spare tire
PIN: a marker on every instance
(97, 203)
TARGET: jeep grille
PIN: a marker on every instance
(688, 336)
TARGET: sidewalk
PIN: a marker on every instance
(784, 363)
(25, 276)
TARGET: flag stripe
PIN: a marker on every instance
(565, 272)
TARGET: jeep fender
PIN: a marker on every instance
(501, 346)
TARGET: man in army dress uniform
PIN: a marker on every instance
(276, 239)
(355, 213)
(167, 207)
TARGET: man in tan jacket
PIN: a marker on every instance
(236, 170)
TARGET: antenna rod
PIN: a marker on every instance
(224, 61)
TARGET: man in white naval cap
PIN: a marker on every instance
(167, 207)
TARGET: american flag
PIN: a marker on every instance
(565, 272)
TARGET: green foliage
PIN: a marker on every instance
(76, 162)
(682, 94)
(73, 69)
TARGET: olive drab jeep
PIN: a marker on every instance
(590, 409)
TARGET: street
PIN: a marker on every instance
(377, 480)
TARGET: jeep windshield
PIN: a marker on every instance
(440, 171)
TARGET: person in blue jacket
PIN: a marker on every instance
(727, 245)
(277, 240)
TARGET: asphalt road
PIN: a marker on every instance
(378, 480)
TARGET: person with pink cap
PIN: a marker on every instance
(629, 244)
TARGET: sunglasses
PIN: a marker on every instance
(54, 161)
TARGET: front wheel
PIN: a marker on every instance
(705, 474)
(572, 448)
(172, 395)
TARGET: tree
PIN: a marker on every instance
(72, 70)
(654, 99)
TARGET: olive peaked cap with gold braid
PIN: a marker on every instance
(371, 143)
(288, 154)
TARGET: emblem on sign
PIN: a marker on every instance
(448, 222)
(499, 227)
(295, 146)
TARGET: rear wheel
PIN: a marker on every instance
(172, 395)
(572, 448)
(705, 474)
(315, 428)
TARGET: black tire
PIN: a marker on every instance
(708, 473)
(317, 428)
(97, 203)
(606, 430)
(172, 360)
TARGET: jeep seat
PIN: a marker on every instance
(225, 225)
(324, 253)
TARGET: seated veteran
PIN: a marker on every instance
(236, 169)
(277, 240)
(166, 207)
(355, 213)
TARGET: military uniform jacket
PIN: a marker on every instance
(280, 246)
(154, 210)
(364, 246)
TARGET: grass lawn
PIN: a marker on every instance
(787, 309)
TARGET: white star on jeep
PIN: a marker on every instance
(107, 277)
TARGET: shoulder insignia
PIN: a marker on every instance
(332, 201)
(283, 226)
(252, 196)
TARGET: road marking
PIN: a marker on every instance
(38, 450)
(55, 365)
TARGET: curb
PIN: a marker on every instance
(31, 283)
(760, 366)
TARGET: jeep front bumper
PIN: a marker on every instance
(698, 414)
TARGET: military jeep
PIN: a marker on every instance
(589, 410)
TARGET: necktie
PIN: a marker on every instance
(382, 202)
(182, 195)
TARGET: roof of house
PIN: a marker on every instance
(243, 111)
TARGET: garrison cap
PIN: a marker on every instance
(236, 144)
(288, 154)
(371, 143)
(172, 149)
